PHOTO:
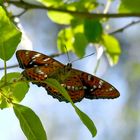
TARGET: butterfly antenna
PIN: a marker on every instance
(83, 57)
(67, 54)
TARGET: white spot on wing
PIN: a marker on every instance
(101, 82)
(89, 77)
(76, 88)
(73, 88)
(110, 89)
(46, 59)
(84, 87)
(27, 52)
(91, 89)
(63, 85)
(35, 66)
(35, 56)
(31, 63)
(94, 86)
(38, 71)
(45, 75)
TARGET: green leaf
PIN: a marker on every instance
(65, 38)
(51, 3)
(129, 6)
(10, 77)
(10, 36)
(74, 40)
(112, 48)
(13, 89)
(93, 30)
(60, 17)
(80, 43)
(30, 123)
(84, 118)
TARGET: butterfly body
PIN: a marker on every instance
(38, 67)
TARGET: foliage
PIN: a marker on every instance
(82, 27)
(81, 30)
(10, 89)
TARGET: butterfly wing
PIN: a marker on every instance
(79, 84)
(29, 59)
(97, 88)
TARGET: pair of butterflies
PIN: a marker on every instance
(38, 67)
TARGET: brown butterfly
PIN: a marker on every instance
(79, 84)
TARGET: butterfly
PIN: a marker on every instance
(79, 84)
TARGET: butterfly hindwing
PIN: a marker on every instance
(71, 82)
(98, 88)
(74, 87)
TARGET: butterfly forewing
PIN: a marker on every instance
(38, 67)
(29, 59)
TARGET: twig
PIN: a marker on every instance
(126, 26)
(20, 14)
(25, 5)
(9, 67)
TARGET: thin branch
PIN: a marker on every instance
(20, 14)
(25, 5)
(9, 67)
(125, 27)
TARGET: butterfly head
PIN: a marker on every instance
(68, 66)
